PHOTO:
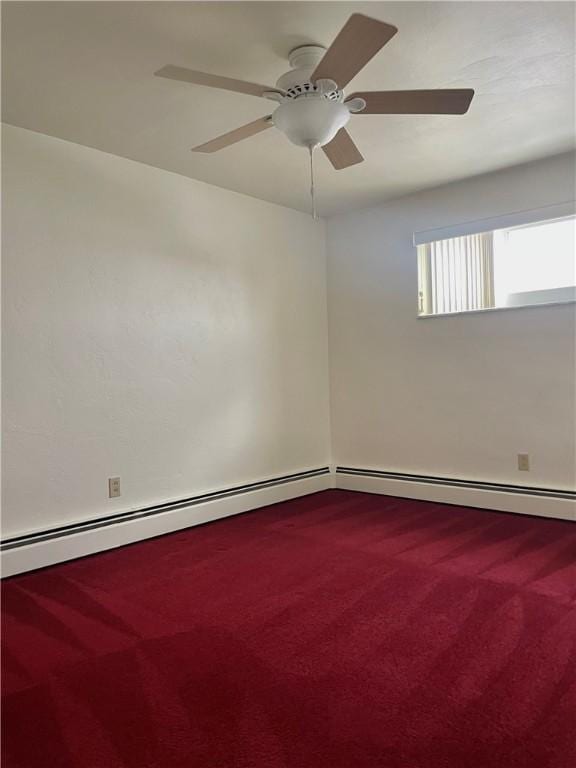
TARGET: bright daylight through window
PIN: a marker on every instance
(515, 267)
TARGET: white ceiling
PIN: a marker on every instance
(83, 71)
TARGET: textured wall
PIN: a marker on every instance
(155, 328)
(461, 395)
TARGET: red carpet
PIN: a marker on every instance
(341, 630)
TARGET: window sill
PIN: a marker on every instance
(497, 309)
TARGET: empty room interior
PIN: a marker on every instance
(288, 384)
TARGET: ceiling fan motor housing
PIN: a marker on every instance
(310, 113)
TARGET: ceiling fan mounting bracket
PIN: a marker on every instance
(306, 56)
(298, 80)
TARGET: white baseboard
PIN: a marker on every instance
(51, 547)
(20, 556)
(501, 500)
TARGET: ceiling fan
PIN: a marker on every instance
(313, 109)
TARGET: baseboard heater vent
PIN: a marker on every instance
(455, 482)
(157, 509)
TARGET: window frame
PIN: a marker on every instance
(507, 224)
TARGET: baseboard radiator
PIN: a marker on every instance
(40, 548)
(523, 499)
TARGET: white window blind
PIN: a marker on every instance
(457, 274)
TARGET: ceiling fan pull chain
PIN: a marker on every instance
(312, 187)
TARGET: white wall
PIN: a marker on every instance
(457, 396)
(155, 328)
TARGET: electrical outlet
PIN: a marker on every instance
(113, 487)
(523, 462)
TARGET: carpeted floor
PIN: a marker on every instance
(341, 630)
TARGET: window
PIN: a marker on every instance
(519, 266)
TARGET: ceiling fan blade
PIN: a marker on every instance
(341, 151)
(244, 132)
(454, 101)
(213, 81)
(356, 43)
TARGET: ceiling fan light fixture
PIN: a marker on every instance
(310, 122)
